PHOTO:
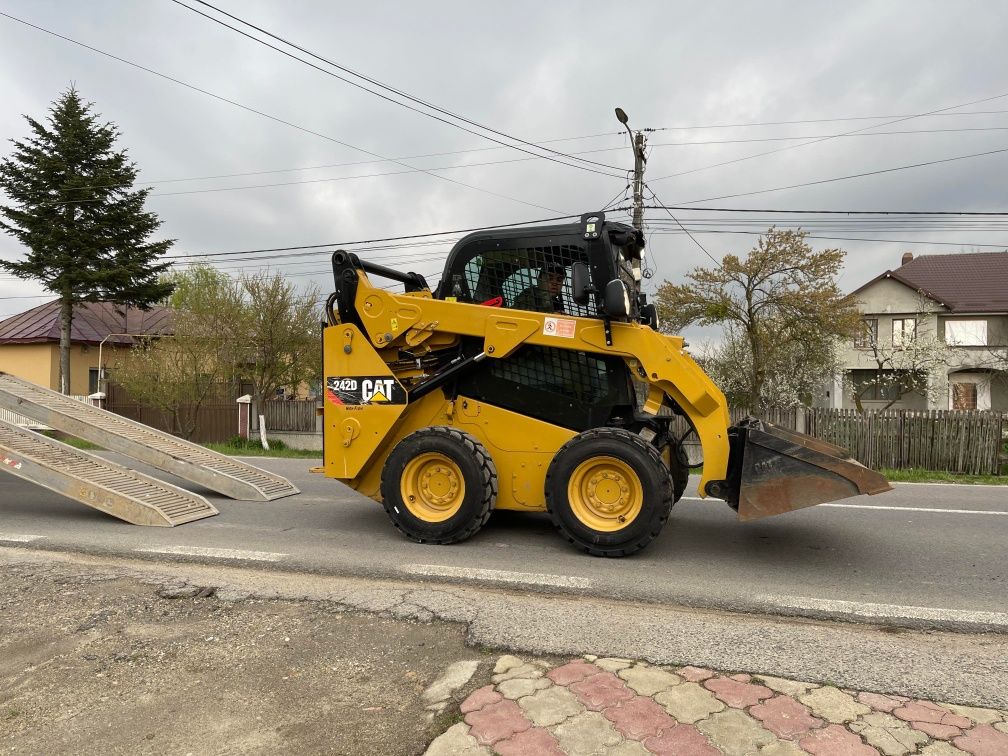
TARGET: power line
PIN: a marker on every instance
(815, 120)
(263, 114)
(848, 238)
(374, 241)
(694, 239)
(826, 212)
(827, 138)
(845, 178)
(385, 87)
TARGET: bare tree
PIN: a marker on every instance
(178, 374)
(279, 339)
(781, 295)
(903, 361)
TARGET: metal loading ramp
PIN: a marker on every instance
(187, 460)
(96, 482)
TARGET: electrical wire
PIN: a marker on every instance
(827, 138)
(695, 240)
(387, 88)
(263, 114)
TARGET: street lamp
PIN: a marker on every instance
(637, 142)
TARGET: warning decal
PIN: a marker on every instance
(562, 327)
(379, 389)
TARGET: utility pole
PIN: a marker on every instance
(638, 142)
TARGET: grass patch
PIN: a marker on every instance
(77, 443)
(912, 475)
(246, 447)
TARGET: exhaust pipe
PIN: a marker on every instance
(772, 470)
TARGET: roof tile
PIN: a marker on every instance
(92, 322)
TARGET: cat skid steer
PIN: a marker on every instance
(534, 378)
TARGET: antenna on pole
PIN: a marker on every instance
(638, 142)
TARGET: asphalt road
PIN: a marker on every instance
(918, 555)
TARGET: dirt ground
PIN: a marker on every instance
(96, 665)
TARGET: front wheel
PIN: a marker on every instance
(439, 485)
(608, 492)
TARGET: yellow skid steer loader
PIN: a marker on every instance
(534, 378)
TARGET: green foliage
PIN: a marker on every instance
(178, 374)
(781, 308)
(75, 210)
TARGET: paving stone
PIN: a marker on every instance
(735, 732)
(590, 657)
(496, 721)
(740, 695)
(938, 731)
(626, 748)
(649, 680)
(888, 734)
(978, 715)
(785, 717)
(533, 742)
(681, 740)
(781, 748)
(456, 741)
(1001, 726)
(925, 711)
(480, 698)
(878, 702)
(694, 674)
(522, 686)
(639, 718)
(507, 662)
(941, 749)
(586, 734)
(611, 664)
(601, 691)
(983, 740)
(742, 677)
(527, 671)
(572, 672)
(454, 677)
(834, 740)
(833, 705)
(551, 706)
(791, 688)
(689, 702)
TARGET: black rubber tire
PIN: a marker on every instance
(646, 462)
(679, 470)
(478, 473)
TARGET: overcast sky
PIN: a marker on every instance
(539, 71)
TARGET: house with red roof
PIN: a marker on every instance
(940, 319)
(29, 341)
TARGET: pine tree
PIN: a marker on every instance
(76, 211)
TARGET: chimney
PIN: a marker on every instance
(907, 257)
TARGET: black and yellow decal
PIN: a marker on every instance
(377, 389)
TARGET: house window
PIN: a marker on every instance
(878, 385)
(867, 335)
(964, 396)
(966, 332)
(94, 384)
(903, 331)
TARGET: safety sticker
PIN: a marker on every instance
(562, 327)
(379, 389)
(12, 463)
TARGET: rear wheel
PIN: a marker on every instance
(439, 485)
(608, 492)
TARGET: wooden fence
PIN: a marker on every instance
(296, 415)
(969, 442)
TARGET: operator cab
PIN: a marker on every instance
(588, 269)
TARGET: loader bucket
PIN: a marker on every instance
(773, 470)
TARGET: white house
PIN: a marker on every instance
(935, 336)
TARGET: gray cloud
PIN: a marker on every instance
(539, 71)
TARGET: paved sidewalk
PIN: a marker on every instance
(617, 706)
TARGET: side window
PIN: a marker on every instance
(518, 283)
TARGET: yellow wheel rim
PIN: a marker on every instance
(605, 494)
(432, 487)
